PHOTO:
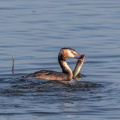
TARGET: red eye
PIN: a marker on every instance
(72, 52)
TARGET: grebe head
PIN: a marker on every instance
(68, 52)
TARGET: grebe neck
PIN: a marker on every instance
(65, 68)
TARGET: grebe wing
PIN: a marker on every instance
(48, 75)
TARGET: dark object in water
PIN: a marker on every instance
(12, 64)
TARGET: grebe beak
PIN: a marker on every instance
(79, 57)
(78, 54)
(75, 53)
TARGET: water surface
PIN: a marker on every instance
(34, 32)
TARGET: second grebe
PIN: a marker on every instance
(65, 75)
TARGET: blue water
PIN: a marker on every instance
(34, 32)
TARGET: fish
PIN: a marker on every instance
(78, 67)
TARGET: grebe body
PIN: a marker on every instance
(65, 75)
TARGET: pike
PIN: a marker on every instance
(78, 66)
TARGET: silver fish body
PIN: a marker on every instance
(78, 67)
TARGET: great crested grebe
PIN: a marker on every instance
(65, 75)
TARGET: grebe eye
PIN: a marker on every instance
(73, 52)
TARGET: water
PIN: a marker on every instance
(34, 32)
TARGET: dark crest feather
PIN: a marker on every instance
(68, 48)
